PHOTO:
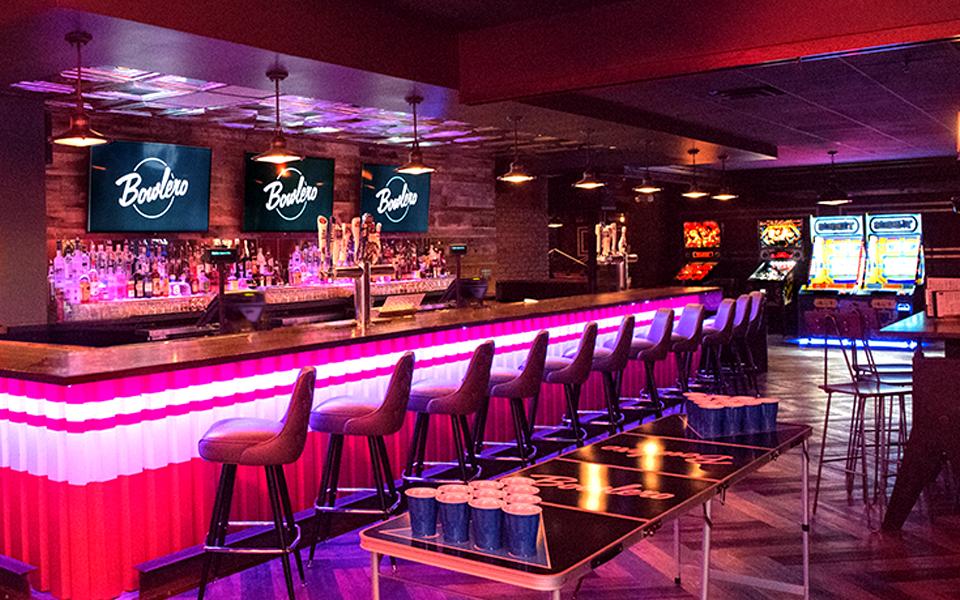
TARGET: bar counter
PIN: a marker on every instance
(99, 445)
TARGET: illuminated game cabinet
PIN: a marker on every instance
(895, 269)
(873, 264)
(837, 265)
(781, 250)
(701, 245)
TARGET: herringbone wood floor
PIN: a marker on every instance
(756, 532)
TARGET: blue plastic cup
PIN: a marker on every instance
(455, 488)
(422, 502)
(753, 417)
(517, 480)
(522, 499)
(521, 524)
(478, 484)
(694, 415)
(489, 493)
(711, 420)
(733, 417)
(769, 407)
(530, 490)
(454, 517)
(486, 518)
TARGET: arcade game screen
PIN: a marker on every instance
(701, 234)
(695, 271)
(774, 270)
(837, 264)
(780, 233)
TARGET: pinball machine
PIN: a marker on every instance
(701, 250)
(780, 270)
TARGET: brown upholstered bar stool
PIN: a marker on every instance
(516, 386)
(374, 419)
(260, 443)
(572, 373)
(738, 342)
(610, 360)
(685, 341)
(651, 349)
(716, 337)
(458, 400)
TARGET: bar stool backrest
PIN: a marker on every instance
(661, 330)
(288, 445)
(527, 384)
(690, 326)
(579, 369)
(476, 381)
(846, 328)
(741, 318)
(393, 411)
(757, 311)
(723, 322)
(620, 353)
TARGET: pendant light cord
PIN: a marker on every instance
(276, 97)
(79, 79)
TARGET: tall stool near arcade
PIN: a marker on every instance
(458, 400)
(263, 443)
(572, 373)
(716, 337)
(651, 349)
(685, 341)
(516, 385)
(372, 418)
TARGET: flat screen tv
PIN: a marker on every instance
(287, 197)
(148, 187)
(399, 202)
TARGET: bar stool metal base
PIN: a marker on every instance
(464, 447)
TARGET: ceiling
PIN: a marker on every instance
(887, 104)
(464, 15)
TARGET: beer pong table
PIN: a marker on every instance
(609, 495)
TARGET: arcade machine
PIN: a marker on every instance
(701, 249)
(837, 265)
(781, 250)
(895, 269)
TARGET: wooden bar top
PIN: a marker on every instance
(922, 327)
(66, 365)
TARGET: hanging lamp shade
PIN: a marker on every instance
(589, 181)
(79, 134)
(725, 194)
(647, 185)
(694, 192)
(278, 153)
(416, 165)
(833, 195)
(517, 173)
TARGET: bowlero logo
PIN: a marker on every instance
(148, 187)
(398, 201)
(287, 197)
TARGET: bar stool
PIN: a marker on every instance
(458, 401)
(263, 443)
(716, 337)
(516, 385)
(650, 350)
(755, 330)
(685, 340)
(373, 419)
(572, 373)
(738, 342)
(610, 360)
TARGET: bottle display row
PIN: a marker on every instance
(85, 271)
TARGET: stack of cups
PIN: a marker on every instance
(521, 516)
(423, 511)
(453, 503)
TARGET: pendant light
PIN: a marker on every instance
(517, 173)
(554, 223)
(79, 134)
(415, 166)
(724, 195)
(277, 153)
(647, 186)
(833, 195)
(694, 193)
(589, 181)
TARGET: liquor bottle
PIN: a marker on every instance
(59, 267)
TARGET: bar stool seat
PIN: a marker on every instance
(500, 376)
(239, 441)
(638, 345)
(347, 415)
(427, 396)
(601, 357)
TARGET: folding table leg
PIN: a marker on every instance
(676, 549)
(805, 514)
(375, 574)
(707, 530)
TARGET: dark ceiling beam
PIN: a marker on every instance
(615, 112)
(355, 34)
(640, 40)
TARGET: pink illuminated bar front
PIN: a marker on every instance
(100, 476)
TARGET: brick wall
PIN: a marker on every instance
(522, 235)
(461, 197)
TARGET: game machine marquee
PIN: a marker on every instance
(701, 249)
(895, 269)
(837, 265)
(781, 253)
